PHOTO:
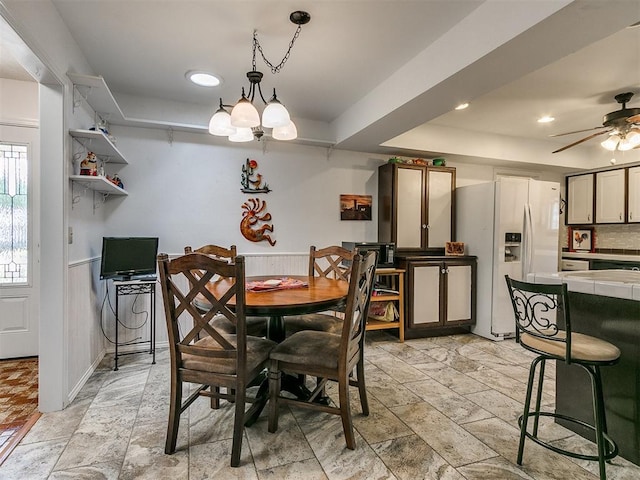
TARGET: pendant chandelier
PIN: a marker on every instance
(243, 123)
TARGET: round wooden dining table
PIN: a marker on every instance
(318, 295)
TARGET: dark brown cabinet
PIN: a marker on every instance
(416, 206)
(440, 296)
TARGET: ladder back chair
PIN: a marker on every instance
(215, 359)
(330, 262)
(329, 356)
(256, 326)
(543, 326)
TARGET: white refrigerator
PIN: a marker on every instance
(512, 226)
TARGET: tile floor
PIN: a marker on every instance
(441, 408)
(18, 396)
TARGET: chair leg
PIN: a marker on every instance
(275, 379)
(175, 404)
(527, 405)
(539, 397)
(238, 426)
(600, 418)
(215, 401)
(345, 411)
(364, 402)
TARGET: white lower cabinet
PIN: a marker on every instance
(440, 295)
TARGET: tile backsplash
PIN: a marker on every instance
(617, 237)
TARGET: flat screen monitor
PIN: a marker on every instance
(127, 257)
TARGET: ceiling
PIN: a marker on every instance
(378, 76)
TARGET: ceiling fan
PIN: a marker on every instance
(623, 127)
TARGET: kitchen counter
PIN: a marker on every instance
(624, 284)
(601, 256)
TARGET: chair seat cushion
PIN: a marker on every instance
(320, 322)
(584, 348)
(257, 352)
(256, 326)
(309, 347)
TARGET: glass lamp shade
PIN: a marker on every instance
(242, 135)
(288, 132)
(220, 124)
(611, 143)
(244, 114)
(631, 140)
(275, 115)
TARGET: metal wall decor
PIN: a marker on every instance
(251, 184)
(252, 215)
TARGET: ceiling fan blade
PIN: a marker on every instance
(577, 131)
(580, 141)
(634, 119)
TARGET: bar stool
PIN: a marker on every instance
(541, 311)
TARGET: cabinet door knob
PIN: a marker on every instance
(424, 225)
(620, 216)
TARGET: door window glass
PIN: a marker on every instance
(13, 214)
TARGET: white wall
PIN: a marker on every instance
(188, 192)
(19, 102)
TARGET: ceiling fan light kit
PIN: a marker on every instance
(244, 124)
(623, 127)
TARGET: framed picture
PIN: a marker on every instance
(581, 240)
(454, 248)
(355, 207)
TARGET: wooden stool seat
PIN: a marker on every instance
(584, 348)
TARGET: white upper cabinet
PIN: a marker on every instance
(633, 210)
(610, 199)
(580, 199)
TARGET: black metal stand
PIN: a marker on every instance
(137, 287)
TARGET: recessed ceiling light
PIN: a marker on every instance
(462, 106)
(204, 79)
(546, 119)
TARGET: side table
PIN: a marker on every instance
(136, 287)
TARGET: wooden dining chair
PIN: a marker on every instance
(256, 326)
(329, 356)
(217, 359)
(543, 327)
(329, 262)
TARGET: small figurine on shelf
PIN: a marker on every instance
(116, 181)
(89, 166)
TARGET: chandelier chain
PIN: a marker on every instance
(274, 68)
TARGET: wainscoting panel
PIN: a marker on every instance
(277, 264)
(91, 323)
(85, 345)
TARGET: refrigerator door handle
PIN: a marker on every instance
(528, 241)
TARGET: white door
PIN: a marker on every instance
(610, 196)
(580, 199)
(19, 270)
(544, 210)
(458, 292)
(634, 194)
(409, 208)
(426, 294)
(439, 205)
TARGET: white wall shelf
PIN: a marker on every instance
(98, 184)
(97, 94)
(98, 143)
